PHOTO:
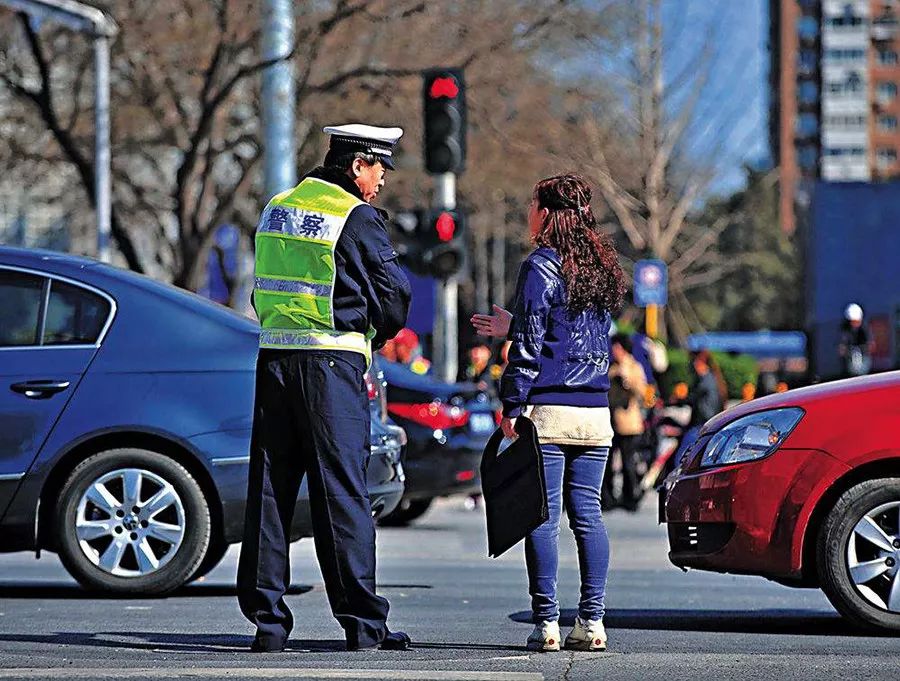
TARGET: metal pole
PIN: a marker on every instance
(102, 185)
(279, 149)
(446, 313)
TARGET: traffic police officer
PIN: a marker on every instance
(328, 289)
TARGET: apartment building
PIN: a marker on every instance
(834, 74)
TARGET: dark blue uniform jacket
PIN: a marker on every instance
(370, 286)
(556, 357)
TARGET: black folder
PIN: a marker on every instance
(514, 489)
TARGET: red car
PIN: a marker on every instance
(802, 488)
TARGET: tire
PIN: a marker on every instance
(107, 546)
(214, 555)
(863, 594)
(407, 511)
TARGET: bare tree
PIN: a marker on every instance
(681, 143)
(185, 96)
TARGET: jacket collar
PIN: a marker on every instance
(343, 181)
(548, 254)
(335, 176)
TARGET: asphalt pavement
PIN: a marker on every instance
(467, 614)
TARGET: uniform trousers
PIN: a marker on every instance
(311, 417)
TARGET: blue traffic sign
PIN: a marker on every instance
(651, 283)
(756, 343)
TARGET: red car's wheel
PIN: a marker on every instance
(859, 554)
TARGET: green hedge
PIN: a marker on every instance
(736, 369)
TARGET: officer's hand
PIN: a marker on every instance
(508, 426)
(495, 325)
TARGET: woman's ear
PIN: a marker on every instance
(544, 212)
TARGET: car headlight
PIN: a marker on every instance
(751, 437)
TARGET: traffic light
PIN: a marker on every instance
(444, 94)
(431, 242)
(443, 244)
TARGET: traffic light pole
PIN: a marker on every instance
(446, 312)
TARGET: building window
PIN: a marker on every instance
(886, 19)
(807, 92)
(807, 156)
(850, 86)
(845, 122)
(807, 125)
(887, 57)
(808, 28)
(887, 90)
(846, 20)
(848, 152)
(886, 157)
(887, 122)
(845, 55)
(807, 60)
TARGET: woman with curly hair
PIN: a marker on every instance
(558, 377)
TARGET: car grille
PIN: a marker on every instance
(699, 537)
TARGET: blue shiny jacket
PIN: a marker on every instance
(556, 357)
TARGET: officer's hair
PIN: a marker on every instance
(344, 160)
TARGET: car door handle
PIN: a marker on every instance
(39, 390)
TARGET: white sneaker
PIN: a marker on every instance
(545, 638)
(587, 635)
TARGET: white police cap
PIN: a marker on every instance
(370, 139)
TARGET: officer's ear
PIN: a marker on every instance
(356, 168)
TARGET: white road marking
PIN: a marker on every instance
(263, 673)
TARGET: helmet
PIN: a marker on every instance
(407, 338)
(853, 313)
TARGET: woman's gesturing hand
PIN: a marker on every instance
(495, 325)
(508, 426)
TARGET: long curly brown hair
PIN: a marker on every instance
(590, 264)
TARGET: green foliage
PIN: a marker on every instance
(764, 288)
(679, 371)
(736, 370)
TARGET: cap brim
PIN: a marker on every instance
(387, 162)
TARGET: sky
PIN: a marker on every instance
(737, 92)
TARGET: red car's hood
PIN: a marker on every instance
(803, 397)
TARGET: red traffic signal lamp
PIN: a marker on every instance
(444, 99)
(445, 226)
(444, 86)
(443, 243)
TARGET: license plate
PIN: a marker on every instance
(481, 423)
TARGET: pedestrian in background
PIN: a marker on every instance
(626, 396)
(405, 349)
(478, 365)
(558, 377)
(706, 397)
(328, 289)
(855, 347)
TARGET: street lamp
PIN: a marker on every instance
(100, 28)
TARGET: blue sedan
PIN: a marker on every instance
(125, 418)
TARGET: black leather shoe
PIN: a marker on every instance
(396, 640)
(267, 645)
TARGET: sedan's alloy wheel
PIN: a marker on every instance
(873, 556)
(130, 522)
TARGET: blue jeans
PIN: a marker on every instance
(577, 471)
